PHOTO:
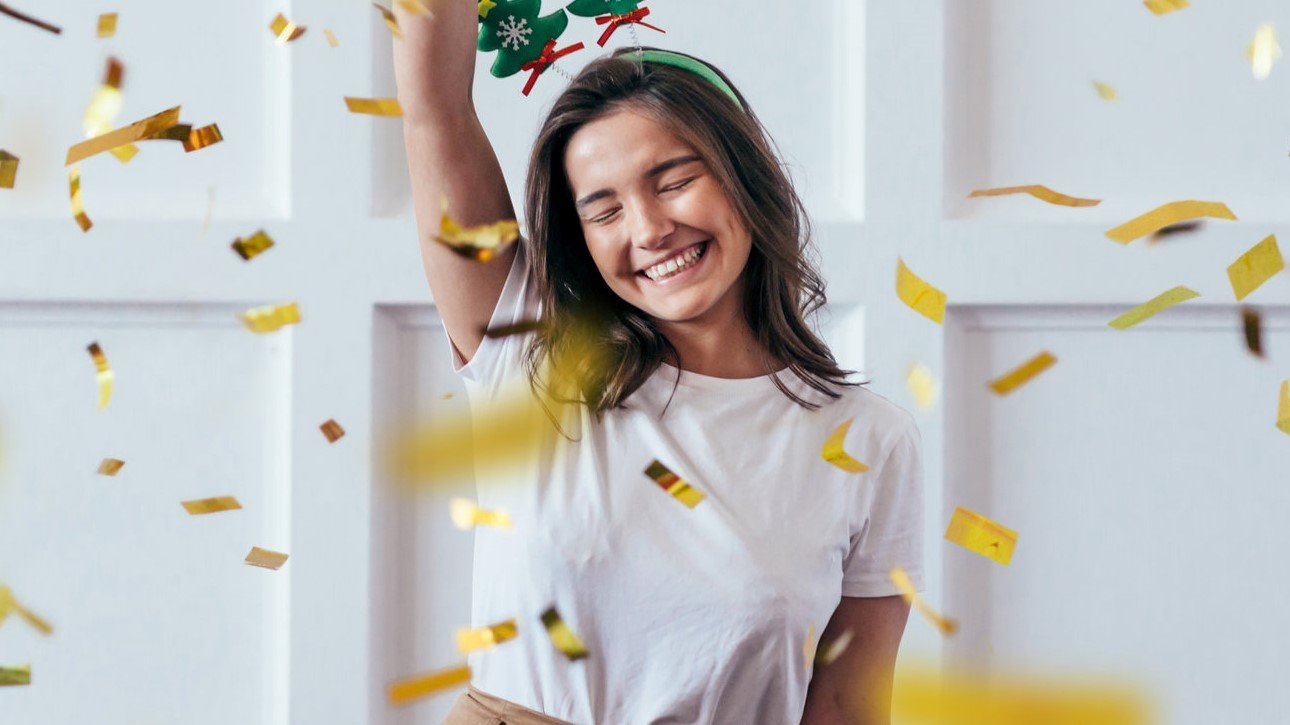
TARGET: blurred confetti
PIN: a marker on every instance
(471, 640)
(271, 318)
(1263, 51)
(562, 636)
(1040, 192)
(466, 514)
(15, 675)
(249, 248)
(201, 506)
(6, 10)
(103, 374)
(901, 579)
(421, 686)
(1168, 215)
(1163, 7)
(922, 385)
(285, 31)
(675, 485)
(266, 559)
(1023, 373)
(107, 25)
(374, 106)
(830, 650)
(78, 204)
(331, 37)
(8, 169)
(332, 430)
(110, 466)
(1252, 324)
(1105, 91)
(9, 604)
(480, 243)
(1283, 408)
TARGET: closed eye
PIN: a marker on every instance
(608, 216)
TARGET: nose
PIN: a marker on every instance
(649, 224)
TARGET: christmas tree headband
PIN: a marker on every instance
(693, 65)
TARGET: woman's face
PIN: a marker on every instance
(657, 223)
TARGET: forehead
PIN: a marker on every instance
(617, 148)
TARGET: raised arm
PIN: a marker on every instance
(449, 154)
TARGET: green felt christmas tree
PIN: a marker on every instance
(594, 8)
(514, 30)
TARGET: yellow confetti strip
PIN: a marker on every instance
(808, 647)
(471, 640)
(1252, 322)
(1255, 267)
(1168, 215)
(674, 484)
(1040, 192)
(480, 243)
(331, 38)
(420, 686)
(978, 534)
(1283, 408)
(413, 6)
(104, 107)
(1154, 306)
(285, 31)
(485, 6)
(200, 138)
(266, 559)
(107, 25)
(15, 675)
(1263, 51)
(9, 604)
(922, 385)
(78, 204)
(562, 636)
(921, 297)
(250, 247)
(1164, 7)
(332, 430)
(1023, 373)
(110, 466)
(199, 506)
(466, 514)
(8, 169)
(147, 128)
(1105, 91)
(901, 579)
(271, 318)
(103, 373)
(829, 651)
(833, 452)
(374, 106)
(391, 22)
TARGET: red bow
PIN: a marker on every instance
(615, 21)
(549, 56)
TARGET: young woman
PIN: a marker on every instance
(662, 230)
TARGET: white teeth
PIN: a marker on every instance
(672, 266)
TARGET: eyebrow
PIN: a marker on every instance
(655, 171)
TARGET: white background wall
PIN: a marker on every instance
(1143, 472)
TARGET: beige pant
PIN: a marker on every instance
(480, 708)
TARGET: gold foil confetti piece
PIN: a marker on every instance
(332, 430)
(562, 635)
(485, 6)
(8, 169)
(1164, 7)
(15, 675)
(177, 132)
(1283, 408)
(103, 374)
(466, 514)
(1256, 266)
(6, 10)
(1175, 230)
(978, 534)
(200, 138)
(249, 248)
(271, 318)
(331, 38)
(1154, 306)
(1105, 91)
(480, 243)
(471, 640)
(199, 506)
(137, 131)
(1252, 324)
(922, 385)
(901, 579)
(9, 604)
(808, 647)
(1263, 51)
(829, 651)
(920, 296)
(374, 106)
(110, 466)
(413, 7)
(833, 452)
(517, 328)
(674, 484)
(1023, 373)
(1040, 192)
(420, 686)
(285, 31)
(107, 25)
(78, 204)
(104, 107)
(266, 559)
(1168, 215)
(391, 22)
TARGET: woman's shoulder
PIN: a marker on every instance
(876, 421)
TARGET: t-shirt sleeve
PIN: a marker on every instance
(888, 528)
(500, 357)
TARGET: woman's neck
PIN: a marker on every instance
(724, 348)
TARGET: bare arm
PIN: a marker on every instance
(855, 689)
(449, 154)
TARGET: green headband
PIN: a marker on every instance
(695, 66)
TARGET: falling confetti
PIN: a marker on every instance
(1023, 373)
(901, 579)
(833, 452)
(271, 318)
(15, 675)
(808, 647)
(471, 640)
(517, 328)
(562, 636)
(148, 128)
(978, 534)
(1252, 323)
(249, 248)
(1263, 51)
(922, 385)
(8, 169)
(1175, 230)
(466, 514)
(110, 466)
(391, 22)
(104, 106)
(1259, 264)
(103, 374)
(374, 106)
(1040, 192)
(6, 10)
(78, 204)
(480, 243)
(1164, 7)
(200, 506)
(920, 296)
(284, 31)
(107, 25)
(331, 38)
(1105, 91)
(200, 138)
(1154, 306)
(9, 604)
(1168, 215)
(332, 430)
(674, 484)
(266, 559)
(830, 650)
(1283, 408)
(420, 686)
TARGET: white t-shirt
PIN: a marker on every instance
(689, 615)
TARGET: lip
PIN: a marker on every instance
(673, 255)
(684, 275)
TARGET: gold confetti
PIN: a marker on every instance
(332, 430)
(6, 10)
(808, 647)
(1263, 51)
(1252, 322)
(250, 247)
(391, 22)
(285, 31)
(833, 452)
(200, 138)
(466, 514)
(1040, 192)
(266, 559)
(480, 243)
(470, 640)
(199, 506)
(978, 534)
(1023, 373)
(103, 373)
(901, 579)
(828, 652)
(9, 604)
(1105, 91)
(415, 688)
(110, 466)
(920, 296)
(1154, 306)
(107, 25)
(145, 129)
(271, 318)
(413, 6)
(374, 106)
(1174, 230)
(104, 107)
(922, 385)
(78, 204)
(15, 675)
(8, 169)
(674, 484)
(1283, 408)
(1168, 215)
(517, 328)
(485, 6)
(1255, 267)
(1164, 7)
(562, 636)
(331, 38)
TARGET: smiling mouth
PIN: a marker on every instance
(676, 265)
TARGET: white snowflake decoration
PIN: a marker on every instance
(513, 32)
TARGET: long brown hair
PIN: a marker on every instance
(594, 338)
